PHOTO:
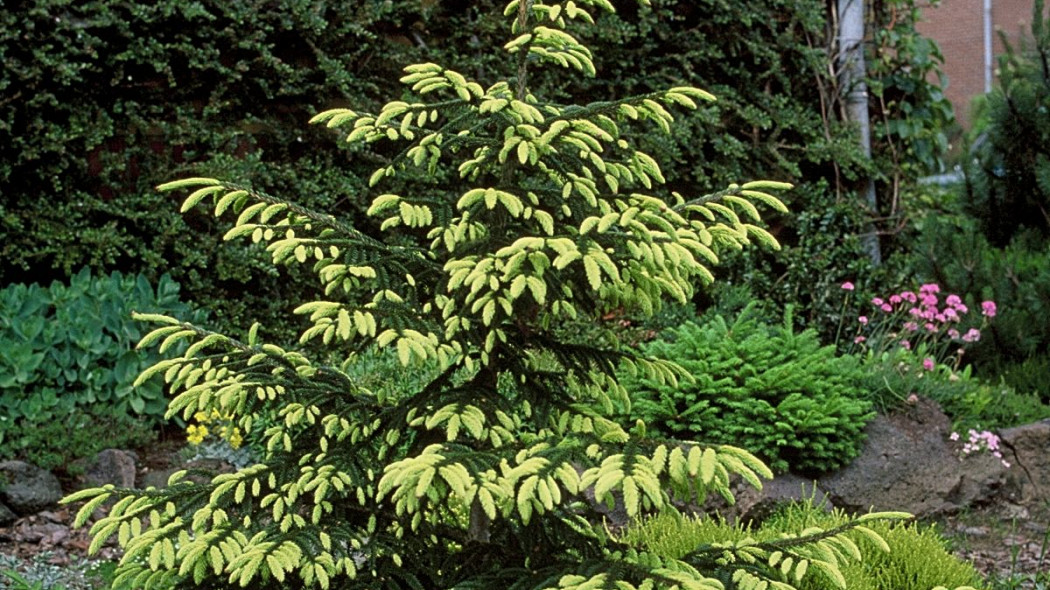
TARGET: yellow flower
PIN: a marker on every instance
(235, 439)
(200, 417)
(196, 434)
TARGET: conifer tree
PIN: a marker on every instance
(515, 219)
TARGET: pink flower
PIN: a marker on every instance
(988, 308)
(911, 326)
(847, 286)
(953, 334)
(905, 345)
(913, 399)
(859, 339)
(895, 299)
(929, 300)
(877, 301)
(927, 364)
(863, 320)
(961, 308)
(915, 311)
(886, 307)
(951, 314)
(930, 327)
(973, 335)
(929, 288)
(954, 436)
(909, 296)
(953, 300)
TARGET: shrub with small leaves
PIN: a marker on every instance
(476, 478)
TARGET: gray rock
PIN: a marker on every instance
(755, 506)
(111, 466)
(908, 463)
(157, 479)
(6, 516)
(1027, 448)
(28, 488)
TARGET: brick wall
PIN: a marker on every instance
(958, 26)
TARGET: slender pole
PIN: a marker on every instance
(852, 74)
(987, 46)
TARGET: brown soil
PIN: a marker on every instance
(1003, 542)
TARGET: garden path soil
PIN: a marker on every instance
(1000, 541)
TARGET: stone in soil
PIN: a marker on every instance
(29, 489)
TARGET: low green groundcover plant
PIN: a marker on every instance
(68, 364)
(760, 385)
(914, 557)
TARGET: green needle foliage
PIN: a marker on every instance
(775, 392)
(475, 478)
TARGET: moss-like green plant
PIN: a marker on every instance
(517, 217)
(760, 385)
(917, 558)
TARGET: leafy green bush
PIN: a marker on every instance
(777, 393)
(917, 559)
(70, 348)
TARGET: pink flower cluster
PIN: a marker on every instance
(982, 441)
(910, 318)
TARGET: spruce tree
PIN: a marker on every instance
(515, 221)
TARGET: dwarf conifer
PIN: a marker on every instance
(514, 219)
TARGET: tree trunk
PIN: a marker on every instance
(852, 74)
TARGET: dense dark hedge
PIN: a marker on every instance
(100, 101)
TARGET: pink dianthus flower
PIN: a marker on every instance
(847, 286)
(988, 308)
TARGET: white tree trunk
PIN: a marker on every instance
(852, 74)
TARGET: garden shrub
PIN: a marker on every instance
(555, 218)
(917, 559)
(68, 360)
(778, 393)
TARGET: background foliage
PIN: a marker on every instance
(99, 101)
(989, 237)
